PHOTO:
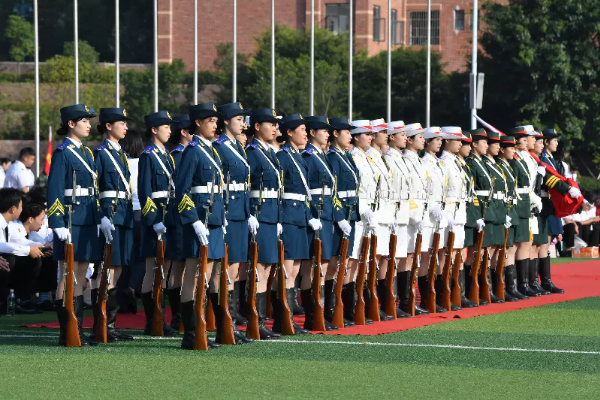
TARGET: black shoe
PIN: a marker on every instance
(240, 338)
(237, 318)
(296, 308)
(384, 317)
(213, 345)
(533, 277)
(401, 314)
(308, 305)
(277, 317)
(403, 292)
(510, 284)
(148, 304)
(127, 301)
(348, 293)
(329, 299)
(261, 308)
(330, 327)
(61, 314)
(545, 278)
(174, 296)
(423, 290)
(265, 333)
(298, 330)
(369, 321)
(46, 305)
(420, 311)
(439, 293)
(112, 309)
(79, 305)
(348, 324)
(523, 279)
(188, 317)
(493, 277)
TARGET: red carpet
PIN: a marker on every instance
(579, 280)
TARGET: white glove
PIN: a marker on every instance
(253, 225)
(480, 224)
(541, 170)
(420, 226)
(574, 193)
(450, 224)
(315, 224)
(507, 224)
(225, 223)
(369, 217)
(436, 212)
(89, 272)
(63, 234)
(279, 229)
(106, 227)
(536, 201)
(345, 227)
(201, 232)
(160, 228)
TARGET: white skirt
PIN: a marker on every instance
(402, 241)
(412, 237)
(459, 237)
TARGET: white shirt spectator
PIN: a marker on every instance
(2, 177)
(44, 235)
(10, 248)
(18, 234)
(133, 169)
(19, 176)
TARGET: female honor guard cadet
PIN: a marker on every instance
(346, 177)
(200, 179)
(456, 201)
(321, 183)
(115, 187)
(401, 196)
(73, 163)
(419, 186)
(265, 184)
(174, 252)
(507, 151)
(155, 191)
(295, 204)
(236, 172)
(435, 219)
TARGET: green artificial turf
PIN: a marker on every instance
(569, 260)
(34, 368)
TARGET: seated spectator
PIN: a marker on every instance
(19, 175)
(4, 165)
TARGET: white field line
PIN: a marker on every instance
(437, 346)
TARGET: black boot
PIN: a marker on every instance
(233, 307)
(423, 290)
(240, 338)
(533, 277)
(261, 308)
(481, 279)
(514, 282)
(112, 308)
(214, 298)
(464, 301)
(439, 292)
(61, 314)
(509, 285)
(307, 304)
(466, 283)
(329, 326)
(523, 279)
(493, 278)
(402, 293)
(329, 303)
(544, 268)
(382, 296)
(188, 316)
(85, 341)
(95, 311)
(149, 311)
(174, 296)
(348, 299)
(292, 297)
(296, 308)
(276, 312)
(240, 287)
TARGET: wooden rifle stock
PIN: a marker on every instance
(318, 312)
(252, 327)
(211, 323)
(485, 287)
(390, 298)
(499, 292)
(372, 282)
(157, 317)
(101, 334)
(431, 274)
(338, 310)
(456, 289)
(227, 336)
(446, 272)
(414, 271)
(286, 314)
(200, 339)
(359, 309)
(474, 294)
(72, 335)
(269, 289)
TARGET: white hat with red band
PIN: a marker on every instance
(531, 131)
(452, 133)
(413, 129)
(396, 127)
(362, 126)
(433, 132)
(378, 125)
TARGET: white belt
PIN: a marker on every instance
(206, 189)
(80, 192)
(160, 195)
(111, 194)
(419, 196)
(437, 198)
(498, 196)
(482, 192)
(237, 187)
(326, 191)
(294, 196)
(544, 194)
(523, 190)
(344, 194)
(266, 194)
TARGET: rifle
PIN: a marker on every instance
(317, 272)
(72, 334)
(456, 289)
(227, 335)
(373, 265)
(253, 319)
(390, 300)
(474, 295)
(433, 261)
(286, 314)
(103, 273)
(270, 280)
(499, 292)
(447, 271)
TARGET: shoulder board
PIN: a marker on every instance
(177, 149)
(148, 150)
(310, 150)
(286, 149)
(63, 145)
(332, 150)
(251, 146)
(220, 140)
(193, 143)
(101, 147)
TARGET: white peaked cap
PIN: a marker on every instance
(362, 126)
(452, 133)
(396, 127)
(379, 125)
(413, 129)
(433, 132)
(531, 130)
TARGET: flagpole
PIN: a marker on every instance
(76, 43)
(37, 89)
(195, 51)
(312, 57)
(155, 55)
(234, 51)
(428, 84)
(474, 66)
(273, 54)
(350, 57)
(117, 57)
(389, 63)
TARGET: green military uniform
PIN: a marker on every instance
(511, 200)
(473, 205)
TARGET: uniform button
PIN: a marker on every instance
(232, 197)
(294, 204)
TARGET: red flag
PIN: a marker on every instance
(48, 154)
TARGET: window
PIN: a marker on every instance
(378, 24)
(337, 17)
(478, 20)
(418, 28)
(459, 20)
(397, 29)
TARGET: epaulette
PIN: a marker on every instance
(178, 148)
(251, 146)
(193, 143)
(221, 140)
(332, 150)
(101, 147)
(309, 151)
(148, 150)
(286, 149)
(63, 145)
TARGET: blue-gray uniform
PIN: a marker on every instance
(555, 226)
(235, 164)
(173, 223)
(200, 167)
(155, 190)
(114, 180)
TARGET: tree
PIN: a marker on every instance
(542, 66)
(87, 53)
(20, 35)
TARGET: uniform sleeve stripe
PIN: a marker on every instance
(148, 207)
(56, 208)
(185, 202)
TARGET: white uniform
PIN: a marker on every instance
(418, 187)
(386, 208)
(401, 194)
(368, 173)
(19, 176)
(456, 197)
(437, 177)
(532, 167)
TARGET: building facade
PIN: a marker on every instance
(451, 26)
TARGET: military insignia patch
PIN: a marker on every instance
(86, 108)
(169, 115)
(124, 112)
(214, 107)
(274, 114)
(241, 107)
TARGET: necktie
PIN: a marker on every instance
(6, 233)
